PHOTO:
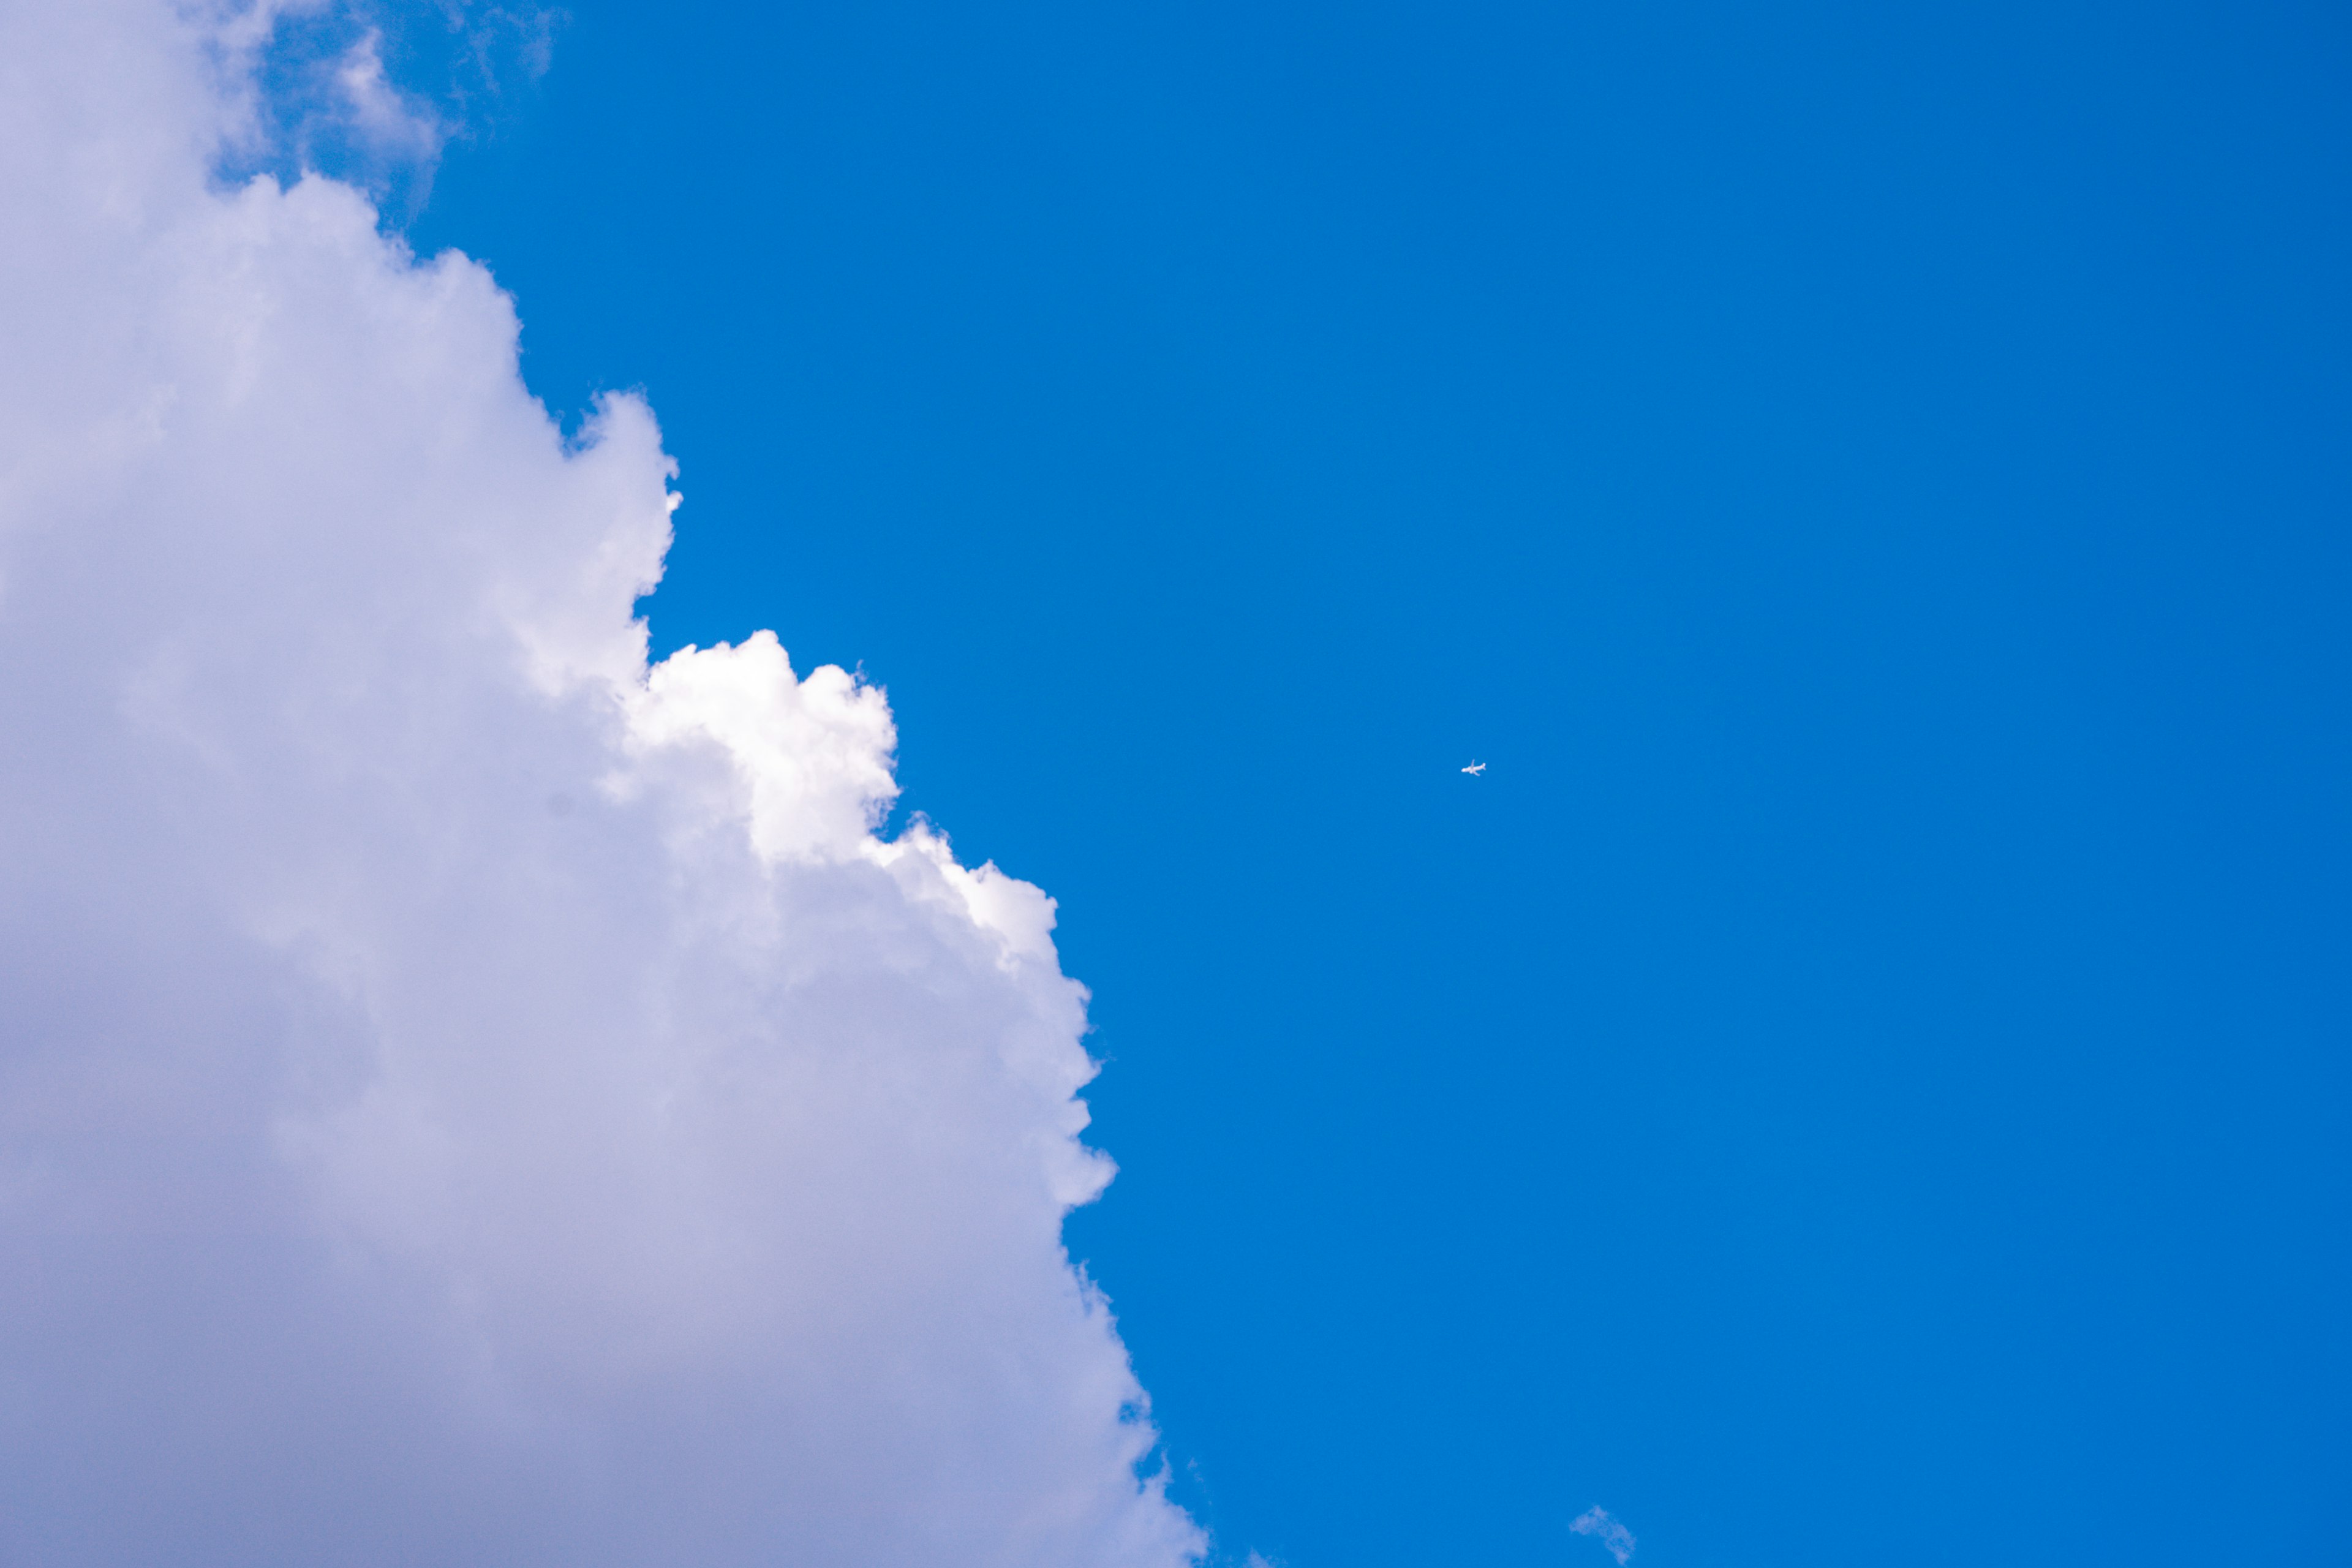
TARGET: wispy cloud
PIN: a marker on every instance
(1598, 1523)
(373, 91)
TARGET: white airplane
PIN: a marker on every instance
(1475, 769)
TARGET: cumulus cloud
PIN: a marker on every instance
(467, 1096)
(1597, 1522)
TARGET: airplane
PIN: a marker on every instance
(1475, 769)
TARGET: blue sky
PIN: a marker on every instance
(1862, 1078)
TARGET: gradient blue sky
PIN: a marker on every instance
(1862, 1077)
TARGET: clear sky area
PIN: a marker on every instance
(1679, 673)
(1862, 1077)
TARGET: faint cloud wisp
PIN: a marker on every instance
(372, 92)
(1598, 1523)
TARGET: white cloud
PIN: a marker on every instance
(1596, 1522)
(379, 115)
(310, 88)
(463, 1096)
